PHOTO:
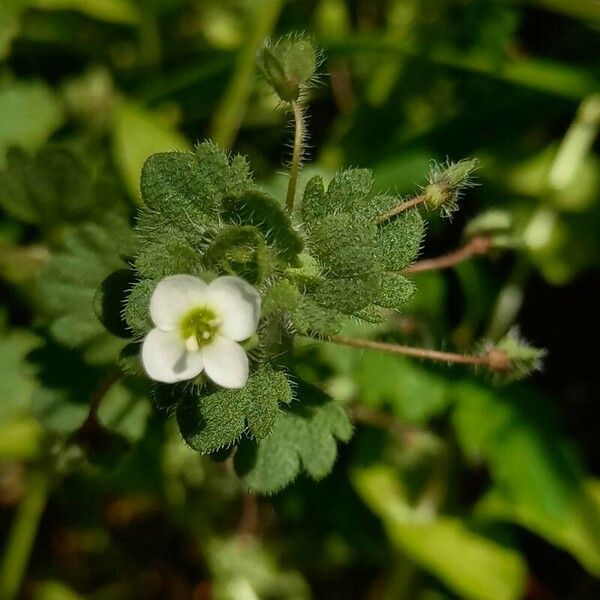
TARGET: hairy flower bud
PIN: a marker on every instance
(287, 65)
(446, 183)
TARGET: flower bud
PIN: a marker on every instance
(446, 183)
(287, 65)
(512, 358)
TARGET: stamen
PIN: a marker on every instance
(192, 344)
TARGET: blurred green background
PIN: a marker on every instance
(452, 487)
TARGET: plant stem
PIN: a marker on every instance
(400, 208)
(296, 155)
(229, 116)
(22, 534)
(476, 247)
(494, 360)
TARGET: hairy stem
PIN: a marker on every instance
(22, 534)
(400, 208)
(228, 117)
(476, 247)
(495, 360)
(296, 155)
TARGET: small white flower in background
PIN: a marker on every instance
(198, 327)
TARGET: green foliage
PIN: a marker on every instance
(266, 214)
(69, 283)
(199, 181)
(400, 237)
(304, 438)
(353, 251)
(537, 475)
(239, 250)
(214, 420)
(528, 458)
(470, 564)
(30, 112)
(137, 312)
(395, 291)
(54, 187)
(395, 382)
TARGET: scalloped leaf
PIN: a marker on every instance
(239, 250)
(347, 192)
(55, 187)
(399, 238)
(266, 214)
(345, 246)
(212, 421)
(69, 283)
(304, 438)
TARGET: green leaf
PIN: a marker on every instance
(137, 311)
(400, 237)
(395, 291)
(17, 380)
(266, 214)
(578, 532)
(199, 179)
(68, 286)
(137, 133)
(55, 187)
(304, 437)
(471, 565)
(348, 296)
(215, 420)
(345, 246)
(157, 260)
(18, 102)
(313, 200)
(347, 192)
(109, 301)
(309, 317)
(242, 251)
(414, 393)
(513, 430)
(67, 384)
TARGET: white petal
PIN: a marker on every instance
(237, 304)
(173, 297)
(226, 363)
(166, 359)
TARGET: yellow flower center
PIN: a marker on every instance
(199, 327)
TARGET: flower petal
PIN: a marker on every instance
(226, 363)
(173, 297)
(166, 359)
(238, 305)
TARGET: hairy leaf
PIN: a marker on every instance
(242, 251)
(266, 214)
(212, 421)
(304, 437)
(69, 283)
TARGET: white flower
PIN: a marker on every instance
(197, 327)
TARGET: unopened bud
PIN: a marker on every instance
(446, 183)
(513, 358)
(287, 65)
